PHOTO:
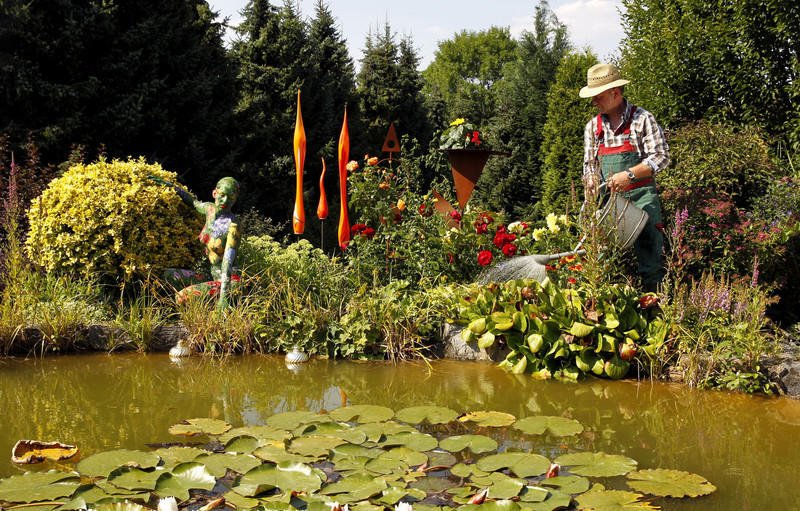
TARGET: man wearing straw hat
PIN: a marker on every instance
(624, 146)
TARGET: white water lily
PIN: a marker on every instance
(167, 504)
(335, 506)
(403, 506)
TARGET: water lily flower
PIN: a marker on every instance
(403, 506)
(167, 504)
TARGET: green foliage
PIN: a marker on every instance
(464, 71)
(718, 176)
(562, 144)
(732, 62)
(563, 332)
(389, 91)
(148, 78)
(462, 135)
(515, 183)
(720, 325)
(108, 219)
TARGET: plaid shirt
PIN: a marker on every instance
(647, 139)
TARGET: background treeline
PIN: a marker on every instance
(155, 78)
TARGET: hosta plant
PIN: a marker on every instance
(563, 332)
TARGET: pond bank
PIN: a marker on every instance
(783, 370)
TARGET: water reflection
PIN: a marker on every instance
(744, 445)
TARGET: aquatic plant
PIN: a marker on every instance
(363, 456)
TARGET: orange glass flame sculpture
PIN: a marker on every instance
(344, 157)
(299, 216)
(322, 206)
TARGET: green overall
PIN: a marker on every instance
(649, 247)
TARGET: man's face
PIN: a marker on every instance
(607, 101)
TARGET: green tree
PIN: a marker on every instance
(389, 90)
(733, 61)
(562, 146)
(464, 71)
(275, 60)
(515, 183)
(147, 78)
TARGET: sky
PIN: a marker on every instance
(592, 23)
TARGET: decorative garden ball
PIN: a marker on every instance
(180, 350)
(296, 356)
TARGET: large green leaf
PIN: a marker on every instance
(194, 476)
(292, 420)
(38, 486)
(315, 446)
(287, 476)
(669, 483)
(245, 444)
(612, 500)
(476, 443)
(219, 463)
(267, 433)
(416, 441)
(375, 430)
(494, 419)
(277, 454)
(91, 493)
(492, 505)
(391, 496)
(357, 487)
(568, 484)
(555, 500)
(120, 506)
(103, 463)
(200, 426)
(361, 413)
(333, 430)
(596, 464)
(558, 426)
(433, 414)
(170, 486)
(345, 451)
(533, 494)
(411, 457)
(521, 463)
(178, 454)
(135, 478)
(464, 470)
(386, 466)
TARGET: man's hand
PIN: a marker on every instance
(618, 182)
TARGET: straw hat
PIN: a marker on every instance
(601, 77)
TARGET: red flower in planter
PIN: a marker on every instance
(484, 257)
(509, 249)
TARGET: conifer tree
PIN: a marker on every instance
(562, 146)
(147, 78)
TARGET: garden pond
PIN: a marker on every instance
(746, 446)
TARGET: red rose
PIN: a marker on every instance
(484, 257)
(481, 228)
(424, 210)
(509, 249)
(455, 215)
(368, 233)
(357, 229)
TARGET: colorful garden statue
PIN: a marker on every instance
(220, 236)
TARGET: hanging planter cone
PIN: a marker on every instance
(467, 165)
(33, 451)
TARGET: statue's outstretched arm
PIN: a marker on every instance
(185, 196)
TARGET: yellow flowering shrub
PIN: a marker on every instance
(109, 218)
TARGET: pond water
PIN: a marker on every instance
(747, 446)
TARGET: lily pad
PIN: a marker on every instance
(503, 487)
(441, 459)
(170, 486)
(103, 463)
(352, 451)
(413, 440)
(433, 414)
(670, 483)
(596, 464)
(376, 430)
(357, 487)
(557, 426)
(260, 432)
(492, 505)
(555, 500)
(178, 454)
(533, 494)
(613, 500)
(277, 454)
(38, 486)
(392, 495)
(332, 430)
(494, 419)
(287, 476)
(316, 446)
(120, 506)
(464, 470)
(522, 464)
(386, 466)
(476, 443)
(92, 493)
(292, 420)
(243, 444)
(568, 484)
(200, 426)
(411, 457)
(134, 478)
(362, 413)
(431, 484)
(219, 463)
